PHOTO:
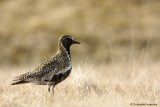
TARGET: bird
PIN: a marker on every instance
(52, 71)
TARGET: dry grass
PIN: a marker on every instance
(88, 85)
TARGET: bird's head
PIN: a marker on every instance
(66, 41)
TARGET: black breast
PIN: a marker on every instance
(57, 78)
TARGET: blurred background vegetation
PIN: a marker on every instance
(109, 30)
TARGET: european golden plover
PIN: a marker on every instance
(54, 70)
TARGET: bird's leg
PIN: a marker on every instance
(53, 89)
(49, 88)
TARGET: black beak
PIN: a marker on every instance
(75, 42)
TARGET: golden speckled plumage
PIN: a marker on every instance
(54, 70)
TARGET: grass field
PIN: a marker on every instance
(113, 85)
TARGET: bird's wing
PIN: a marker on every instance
(39, 71)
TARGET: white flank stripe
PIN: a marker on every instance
(68, 68)
(65, 70)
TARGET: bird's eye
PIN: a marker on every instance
(68, 39)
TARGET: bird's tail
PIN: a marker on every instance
(20, 79)
(19, 82)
